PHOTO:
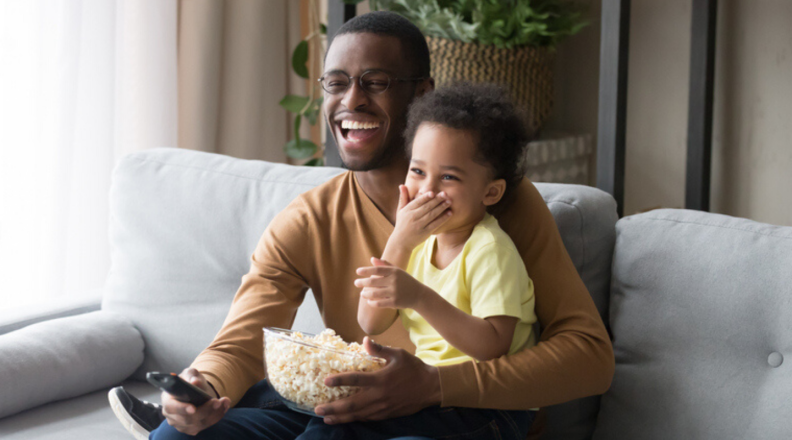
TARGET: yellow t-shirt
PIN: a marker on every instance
(487, 278)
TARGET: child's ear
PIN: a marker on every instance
(495, 192)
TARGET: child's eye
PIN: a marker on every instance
(449, 177)
(417, 171)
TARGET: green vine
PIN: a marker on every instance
(307, 107)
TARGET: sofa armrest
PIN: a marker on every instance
(66, 357)
(16, 318)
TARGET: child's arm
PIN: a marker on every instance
(481, 339)
(415, 221)
(392, 288)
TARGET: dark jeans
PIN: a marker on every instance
(261, 415)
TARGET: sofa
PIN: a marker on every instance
(699, 306)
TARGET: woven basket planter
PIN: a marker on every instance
(527, 72)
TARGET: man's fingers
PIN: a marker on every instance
(351, 379)
(174, 407)
(355, 408)
(190, 420)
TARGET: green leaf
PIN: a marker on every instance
(352, 2)
(323, 28)
(315, 162)
(294, 103)
(300, 59)
(505, 23)
(300, 148)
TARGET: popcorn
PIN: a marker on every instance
(297, 364)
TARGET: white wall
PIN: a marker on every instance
(752, 145)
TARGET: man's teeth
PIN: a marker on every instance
(356, 125)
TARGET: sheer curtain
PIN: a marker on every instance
(82, 82)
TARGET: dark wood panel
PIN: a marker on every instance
(612, 124)
(702, 84)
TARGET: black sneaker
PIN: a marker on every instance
(138, 416)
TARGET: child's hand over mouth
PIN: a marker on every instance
(418, 218)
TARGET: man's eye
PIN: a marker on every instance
(449, 177)
(416, 171)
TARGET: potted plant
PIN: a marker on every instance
(507, 42)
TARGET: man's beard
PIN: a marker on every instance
(383, 158)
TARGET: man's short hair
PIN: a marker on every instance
(394, 25)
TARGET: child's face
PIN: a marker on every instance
(442, 161)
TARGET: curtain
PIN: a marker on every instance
(82, 83)
(234, 68)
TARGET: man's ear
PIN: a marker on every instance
(425, 87)
(495, 192)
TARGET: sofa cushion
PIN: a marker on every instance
(183, 226)
(585, 217)
(66, 357)
(701, 318)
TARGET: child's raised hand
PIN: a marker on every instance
(385, 285)
(418, 218)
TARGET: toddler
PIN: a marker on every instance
(451, 274)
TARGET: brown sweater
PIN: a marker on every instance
(319, 240)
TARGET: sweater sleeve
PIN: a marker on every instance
(269, 296)
(574, 357)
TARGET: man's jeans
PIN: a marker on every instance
(261, 415)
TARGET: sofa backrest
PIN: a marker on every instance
(701, 319)
(184, 225)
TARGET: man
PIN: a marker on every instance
(376, 65)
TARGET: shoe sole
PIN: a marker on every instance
(130, 425)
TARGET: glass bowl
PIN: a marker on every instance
(297, 363)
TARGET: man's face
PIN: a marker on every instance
(368, 127)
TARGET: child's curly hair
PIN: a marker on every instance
(484, 109)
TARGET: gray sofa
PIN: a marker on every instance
(699, 306)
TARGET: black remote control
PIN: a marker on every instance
(177, 387)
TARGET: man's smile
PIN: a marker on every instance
(356, 131)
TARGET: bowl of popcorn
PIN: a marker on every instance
(298, 363)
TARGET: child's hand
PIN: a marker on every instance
(417, 219)
(388, 286)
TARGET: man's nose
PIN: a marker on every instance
(354, 96)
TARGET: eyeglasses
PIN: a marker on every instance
(373, 82)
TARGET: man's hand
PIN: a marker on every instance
(387, 286)
(418, 218)
(188, 419)
(404, 386)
